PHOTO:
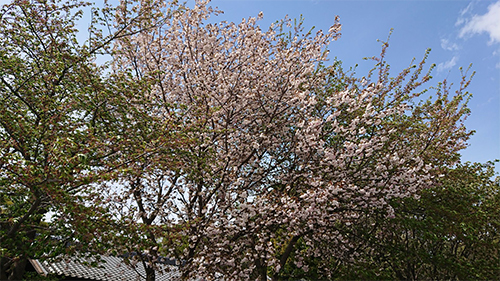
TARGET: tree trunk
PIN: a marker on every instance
(3, 268)
(288, 251)
(150, 273)
(261, 270)
(12, 270)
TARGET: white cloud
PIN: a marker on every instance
(467, 9)
(463, 12)
(489, 23)
(447, 45)
(447, 64)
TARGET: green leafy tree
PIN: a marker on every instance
(59, 114)
(450, 232)
(139, 195)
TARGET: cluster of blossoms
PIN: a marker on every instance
(279, 150)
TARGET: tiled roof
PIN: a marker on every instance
(113, 269)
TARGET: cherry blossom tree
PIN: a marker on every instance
(282, 151)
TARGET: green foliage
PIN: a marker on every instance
(33, 276)
(450, 232)
(54, 113)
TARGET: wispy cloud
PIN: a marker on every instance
(447, 65)
(489, 23)
(448, 46)
(461, 19)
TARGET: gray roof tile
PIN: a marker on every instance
(113, 269)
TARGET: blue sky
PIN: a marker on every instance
(458, 32)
